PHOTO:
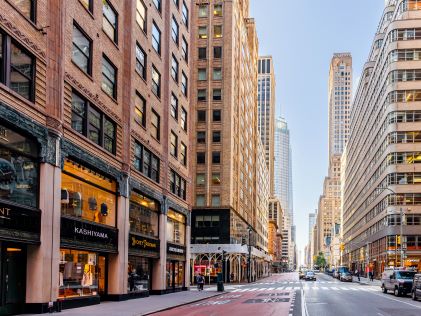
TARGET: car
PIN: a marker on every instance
(310, 276)
(416, 287)
(398, 281)
(301, 274)
(339, 270)
(345, 277)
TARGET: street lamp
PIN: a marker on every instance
(401, 223)
(249, 229)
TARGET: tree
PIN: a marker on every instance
(320, 260)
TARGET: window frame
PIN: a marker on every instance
(183, 119)
(175, 33)
(79, 28)
(155, 84)
(144, 28)
(154, 40)
(175, 71)
(142, 74)
(115, 85)
(33, 10)
(183, 153)
(158, 128)
(143, 123)
(158, 5)
(86, 124)
(184, 17)
(115, 37)
(184, 49)
(173, 146)
(184, 83)
(141, 158)
(174, 108)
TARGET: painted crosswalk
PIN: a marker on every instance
(307, 287)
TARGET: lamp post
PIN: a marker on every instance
(249, 228)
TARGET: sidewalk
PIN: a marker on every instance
(143, 306)
(366, 281)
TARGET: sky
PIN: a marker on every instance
(302, 36)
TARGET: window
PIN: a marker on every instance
(93, 124)
(216, 115)
(174, 68)
(201, 95)
(183, 154)
(81, 51)
(217, 52)
(143, 215)
(216, 200)
(174, 106)
(203, 32)
(201, 116)
(174, 30)
(217, 31)
(216, 157)
(16, 68)
(201, 158)
(216, 136)
(27, 8)
(156, 125)
(146, 162)
(140, 110)
(174, 144)
(217, 10)
(185, 14)
(201, 137)
(200, 200)
(216, 178)
(201, 74)
(141, 61)
(183, 119)
(109, 21)
(177, 184)
(156, 82)
(203, 11)
(185, 49)
(217, 95)
(200, 179)
(217, 73)
(156, 38)
(157, 4)
(109, 78)
(202, 53)
(184, 83)
(141, 17)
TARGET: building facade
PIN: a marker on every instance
(382, 167)
(275, 237)
(94, 186)
(266, 111)
(283, 186)
(225, 147)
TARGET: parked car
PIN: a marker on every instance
(345, 277)
(339, 270)
(310, 276)
(416, 287)
(398, 281)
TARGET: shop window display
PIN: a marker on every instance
(81, 273)
(19, 176)
(139, 272)
(175, 274)
(143, 215)
(176, 227)
(88, 195)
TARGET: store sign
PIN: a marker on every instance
(75, 230)
(143, 243)
(176, 249)
(15, 219)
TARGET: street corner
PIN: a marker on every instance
(283, 303)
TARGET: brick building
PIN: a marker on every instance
(94, 135)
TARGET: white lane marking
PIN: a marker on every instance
(288, 288)
(253, 289)
(334, 288)
(325, 288)
(345, 288)
(393, 299)
(297, 288)
(270, 288)
(353, 289)
(262, 289)
(280, 288)
(315, 288)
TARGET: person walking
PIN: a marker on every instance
(357, 274)
(371, 275)
(200, 282)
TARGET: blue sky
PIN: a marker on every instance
(302, 35)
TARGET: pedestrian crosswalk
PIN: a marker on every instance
(297, 282)
(313, 287)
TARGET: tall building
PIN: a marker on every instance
(311, 222)
(382, 173)
(266, 111)
(339, 106)
(226, 147)
(275, 237)
(283, 185)
(94, 180)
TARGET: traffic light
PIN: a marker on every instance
(342, 247)
(398, 240)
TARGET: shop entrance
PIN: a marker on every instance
(13, 278)
(175, 274)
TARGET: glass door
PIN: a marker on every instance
(102, 275)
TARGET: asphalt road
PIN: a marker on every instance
(285, 295)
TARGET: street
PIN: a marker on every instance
(284, 294)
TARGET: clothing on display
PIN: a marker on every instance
(104, 209)
(77, 203)
(92, 203)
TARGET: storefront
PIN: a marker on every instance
(20, 218)
(88, 234)
(176, 251)
(144, 243)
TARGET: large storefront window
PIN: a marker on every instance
(88, 195)
(143, 215)
(175, 274)
(139, 274)
(176, 227)
(19, 177)
(81, 273)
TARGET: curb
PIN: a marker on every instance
(182, 304)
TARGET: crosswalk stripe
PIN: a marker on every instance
(334, 288)
(324, 288)
(297, 288)
(344, 288)
(280, 288)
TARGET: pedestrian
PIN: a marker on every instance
(357, 274)
(371, 275)
(200, 282)
(232, 277)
